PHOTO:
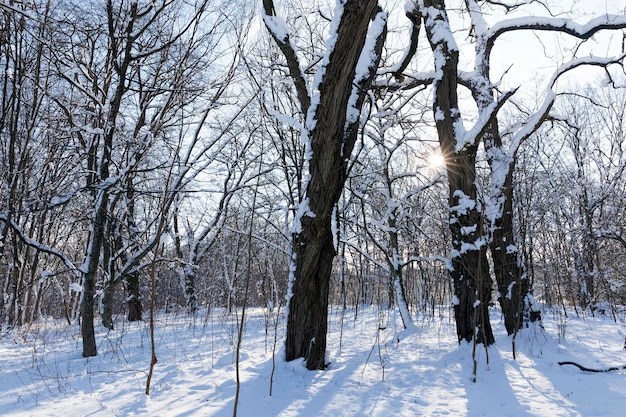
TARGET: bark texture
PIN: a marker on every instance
(513, 285)
(332, 141)
(469, 269)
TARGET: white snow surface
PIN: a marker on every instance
(42, 372)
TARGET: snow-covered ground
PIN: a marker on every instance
(42, 372)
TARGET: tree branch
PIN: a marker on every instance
(567, 26)
(416, 23)
(585, 369)
(485, 120)
(279, 33)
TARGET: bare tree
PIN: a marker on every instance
(386, 186)
(331, 128)
(123, 74)
(582, 159)
(476, 223)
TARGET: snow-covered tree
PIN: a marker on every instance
(331, 109)
(386, 188)
(478, 223)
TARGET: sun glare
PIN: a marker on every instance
(436, 161)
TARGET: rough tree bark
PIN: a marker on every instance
(469, 268)
(332, 128)
(513, 286)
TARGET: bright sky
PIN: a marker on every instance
(531, 56)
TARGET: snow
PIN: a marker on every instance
(365, 65)
(58, 200)
(466, 203)
(334, 227)
(303, 210)
(427, 374)
(555, 23)
(468, 230)
(311, 120)
(409, 6)
(276, 25)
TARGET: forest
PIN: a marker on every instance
(183, 156)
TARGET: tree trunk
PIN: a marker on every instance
(308, 307)
(107, 304)
(395, 267)
(514, 295)
(90, 275)
(110, 282)
(188, 278)
(332, 140)
(135, 307)
(469, 268)
(513, 285)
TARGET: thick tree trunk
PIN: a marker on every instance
(513, 285)
(470, 271)
(308, 307)
(514, 295)
(332, 140)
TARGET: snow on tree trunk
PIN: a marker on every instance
(513, 286)
(396, 273)
(356, 37)
(469, 267)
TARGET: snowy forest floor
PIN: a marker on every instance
(42, 372)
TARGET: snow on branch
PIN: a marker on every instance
(408, 81)
(277, 29)
(366, 66)
(479, 25)
(412, 13)
(42, 247)
(533, 123)
(568, 26)
(588, 61)
(432, 259)
(331, 41)
(274, 24)
(484, 121)
(285, 119)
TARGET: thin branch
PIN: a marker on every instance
(279, 33)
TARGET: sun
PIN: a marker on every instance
(436, 161)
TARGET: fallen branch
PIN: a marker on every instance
(585, 369)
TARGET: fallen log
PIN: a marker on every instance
(585, 369)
